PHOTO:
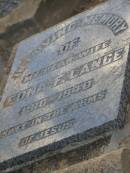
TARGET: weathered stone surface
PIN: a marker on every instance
(7, 6)
(114, 162)
(66, 159)
(120, 138)
(17, 28)
(67, 85)
(24, 9)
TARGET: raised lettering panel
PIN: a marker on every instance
(68, 84)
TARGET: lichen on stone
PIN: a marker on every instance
(6, 6)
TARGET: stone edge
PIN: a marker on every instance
(86, 135)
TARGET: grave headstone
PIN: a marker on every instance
(67, 85)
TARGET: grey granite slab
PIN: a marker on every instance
(67, 85)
